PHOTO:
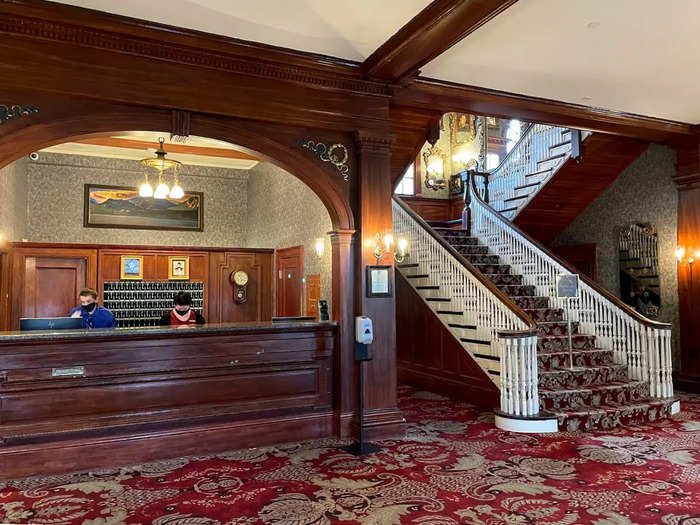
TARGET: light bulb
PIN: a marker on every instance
(403, 245)
(320, 245)
(388, 241)
(161, 191)
(145, 190)
(177, 192)
(680, 252)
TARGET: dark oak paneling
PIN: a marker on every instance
(431, 209)
(581, 256)
(158, 390)
(429, 357)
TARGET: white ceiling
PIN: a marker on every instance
(637, 56)
(351, 29)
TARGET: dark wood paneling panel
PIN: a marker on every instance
(577, 184)
(429, 357)
(153, 388)
(431, 209)
(582, 256)
(258, 307)
(47, 281)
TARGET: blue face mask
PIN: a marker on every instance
(89, 308)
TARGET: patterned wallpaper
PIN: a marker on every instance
(284, 212)
(13, 209)
(55, 204)
(644, 192)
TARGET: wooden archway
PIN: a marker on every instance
(274, 146)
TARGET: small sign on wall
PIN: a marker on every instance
(567, 285)
(379, 281)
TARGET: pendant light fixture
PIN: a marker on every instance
(161, 166)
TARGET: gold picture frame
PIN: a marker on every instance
(131, 267)
(178, 267)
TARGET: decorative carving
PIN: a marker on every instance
(9, 112)
(336, 154)
(132, 45)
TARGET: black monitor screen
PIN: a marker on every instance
(51, 323)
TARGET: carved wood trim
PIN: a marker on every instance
(118, 42)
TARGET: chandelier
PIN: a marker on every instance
(162, 167)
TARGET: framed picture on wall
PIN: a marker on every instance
(178, 267)
(122, 207)
(131, 267)
(379, 281)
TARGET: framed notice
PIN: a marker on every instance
(178, 267)
(379, 281)
(567, 285)
(131, 267)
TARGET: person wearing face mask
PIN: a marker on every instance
(94, 316)
(182, 314)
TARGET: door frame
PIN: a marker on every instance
(281, 253)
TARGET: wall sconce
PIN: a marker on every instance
(383, 244)
(680, 252)
(320, 246)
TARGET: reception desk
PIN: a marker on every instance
(71, 400)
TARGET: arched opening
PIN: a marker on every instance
(239, 212)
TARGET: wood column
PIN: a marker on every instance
(687, 178)
(343, 311)
(382, 417)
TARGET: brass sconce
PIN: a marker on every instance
(383, 244)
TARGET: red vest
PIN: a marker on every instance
(175, 321)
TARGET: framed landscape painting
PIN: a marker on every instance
(121, 207)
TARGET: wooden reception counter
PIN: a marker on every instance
(71, 400)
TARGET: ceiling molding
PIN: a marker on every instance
(434, 30)
(114, 142)
(114, 33)
(446, 97)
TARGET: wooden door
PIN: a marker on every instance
(313, 293)
(52, 285)
(290, 269)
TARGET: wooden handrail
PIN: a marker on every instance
(590, 282)
(505, 299)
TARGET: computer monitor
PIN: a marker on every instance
(50, 323)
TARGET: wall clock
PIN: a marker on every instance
(239, 280)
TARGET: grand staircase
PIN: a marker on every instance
(494, 288)
(596, 393)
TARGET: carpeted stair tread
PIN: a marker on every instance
(545, 328)
(581, 377)
(606, 416)
(617, 393)
(582, 358)
(504, 278)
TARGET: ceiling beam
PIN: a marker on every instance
(204, 151)
(446, 96)
(430, 33)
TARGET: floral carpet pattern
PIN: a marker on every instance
(452, 467)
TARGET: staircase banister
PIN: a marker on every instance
(590, 282)
(507, 301)
(523, 136)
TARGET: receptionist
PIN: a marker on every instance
(182, 313)
(94, 316)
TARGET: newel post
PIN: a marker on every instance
(466, 212)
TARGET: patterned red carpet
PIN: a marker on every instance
(453, 467)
